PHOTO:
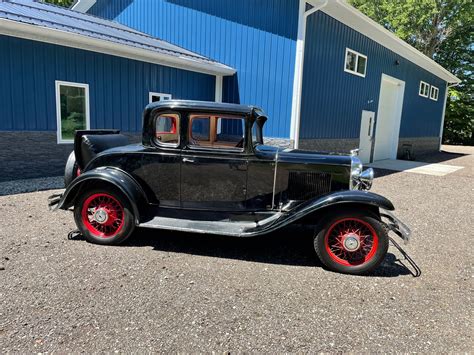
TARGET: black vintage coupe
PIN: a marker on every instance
(203, 167)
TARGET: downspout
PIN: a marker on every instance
(298, 78)
(441, 129)
(218, 89)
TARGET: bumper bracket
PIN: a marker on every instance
(396, 226)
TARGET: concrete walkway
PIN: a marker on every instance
(435, 169)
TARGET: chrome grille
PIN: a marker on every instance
(307, 185)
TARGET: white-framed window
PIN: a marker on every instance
(72, 109)
(424, 89)
(355, 63)
(434, 93)
(158, 96)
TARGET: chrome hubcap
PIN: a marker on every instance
(101, 216)
(351, 242)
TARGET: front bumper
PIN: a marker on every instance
(395, 225)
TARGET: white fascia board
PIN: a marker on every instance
(73, 40)
(350, 16)
(83, 5)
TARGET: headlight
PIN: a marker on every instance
(366, 179)
(360, 180)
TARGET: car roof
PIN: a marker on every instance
(203, 106)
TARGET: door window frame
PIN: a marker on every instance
(58, 84)
(177, 116)
(213, 132)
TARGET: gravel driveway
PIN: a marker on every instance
(167, 291)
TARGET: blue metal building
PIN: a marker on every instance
(61, 70)
(297, 59)
(329, 77)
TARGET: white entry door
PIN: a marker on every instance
(366, 133)
(388, 118)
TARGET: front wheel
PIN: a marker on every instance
(104, 216)
(352, 243)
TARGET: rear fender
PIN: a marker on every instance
(112, 176)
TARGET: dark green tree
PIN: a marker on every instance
(443, 30)
(65, 3)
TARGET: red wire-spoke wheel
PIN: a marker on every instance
(103, 215)
(351, 241)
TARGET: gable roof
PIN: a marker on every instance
(53, 24)
(351, 17)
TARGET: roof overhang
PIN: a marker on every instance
(82, 5)
(353, 18)
(74, 40)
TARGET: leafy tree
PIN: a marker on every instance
(65, 3)
(444, 31)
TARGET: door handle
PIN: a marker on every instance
(370, 126)
(188, 160)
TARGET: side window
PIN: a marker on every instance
(72, 109)
(434, 93)
(200, 132)
(355, 63)
(424, 89)
(157, 96)
(211, 131)
(167, 130)
(229, 132)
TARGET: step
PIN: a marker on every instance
(226, 227)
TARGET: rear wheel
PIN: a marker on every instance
(352, 242)
(104, 216)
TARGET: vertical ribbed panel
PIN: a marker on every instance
(333, 100)
(118, 87)
(257, 37)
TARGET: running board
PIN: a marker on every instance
(230, 228)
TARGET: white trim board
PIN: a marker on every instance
(74, 40)
(82, 5)
(299, 65)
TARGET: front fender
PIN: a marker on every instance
(349, 196)
(110, 175)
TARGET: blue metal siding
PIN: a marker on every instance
(258, 38)
(118, 87)
(333, 100)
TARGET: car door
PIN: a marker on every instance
(160, 169)
(214, 163)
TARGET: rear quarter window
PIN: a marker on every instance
(167, 130)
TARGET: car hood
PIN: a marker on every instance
(301, 156)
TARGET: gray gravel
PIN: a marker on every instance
(31, 185)
(166, 291)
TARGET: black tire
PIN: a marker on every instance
(71, 170)
(372, 238)
(118, 225)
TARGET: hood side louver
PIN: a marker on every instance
(307, 185)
